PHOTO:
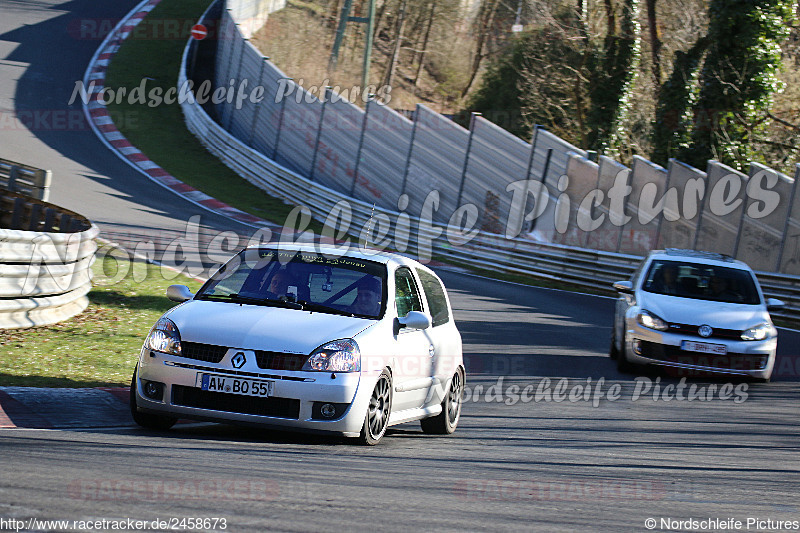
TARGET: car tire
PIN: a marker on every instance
(623, 365)
(146, 420)
(613, 353)
(380, 407)
(445, 422)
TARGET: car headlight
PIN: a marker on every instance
(651, 321)
(164, 337)
(337, 356)
(758, 333)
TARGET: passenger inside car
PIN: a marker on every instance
(720, 289)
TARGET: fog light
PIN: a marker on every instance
(328, 410)
(153, 390)
(636, 346)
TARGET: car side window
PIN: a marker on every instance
(437, 301)
(406, 292)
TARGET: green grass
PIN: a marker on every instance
(160, 132)
(99, 347)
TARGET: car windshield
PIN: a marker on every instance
(307, 280)
(701, 282)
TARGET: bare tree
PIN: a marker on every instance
(611, 19)
(425, 40)
(398, 41)
(655, 42)
(484, 23)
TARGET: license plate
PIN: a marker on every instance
(231, 385)
(704, 347)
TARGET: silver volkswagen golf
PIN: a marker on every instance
(304, 337)
(693, 310)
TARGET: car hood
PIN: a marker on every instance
(723, 315)
(252, 327)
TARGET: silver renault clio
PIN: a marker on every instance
(310, 338)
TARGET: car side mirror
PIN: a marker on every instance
(773, 304)
(624, 287)
(179, 293)
(415, 320)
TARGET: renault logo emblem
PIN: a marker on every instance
(238, 360)
(705, 331)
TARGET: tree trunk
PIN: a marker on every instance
(379, 18)
(401, 20)
(655, 43)
(581, 16)
(611, 19)
(425, 44)
(485, 20)
(332, 16)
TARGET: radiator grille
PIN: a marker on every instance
(203, 352)
(730, 361)
(280, 361)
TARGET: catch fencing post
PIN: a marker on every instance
(258, 107)
(280, 122)
(741, 223)
(661, 214)
(700, 210)
(325, 98)
(792, 200)
(528, 177)
(228, 74)
(238, 75)
(544, 179)
(410, 150)
(370, 98)
(466, 156)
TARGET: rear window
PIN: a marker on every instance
(701, 282)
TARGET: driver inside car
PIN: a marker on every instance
(368, 297)
(280, 285)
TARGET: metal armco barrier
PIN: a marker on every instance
(591, 269)
(46, 255)
(28, 180)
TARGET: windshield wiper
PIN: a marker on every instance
(236, 298)
(311, 306)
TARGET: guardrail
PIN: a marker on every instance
(25, 179)
(46, 255)
(590, 269)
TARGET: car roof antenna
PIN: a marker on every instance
(369, 228)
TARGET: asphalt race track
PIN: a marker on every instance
(551, 438)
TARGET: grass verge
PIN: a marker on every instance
(98, 347)
(154, 55)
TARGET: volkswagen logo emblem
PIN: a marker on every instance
(705, 330)
(238, 360)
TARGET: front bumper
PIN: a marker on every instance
(753, 359)
(290, 406)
